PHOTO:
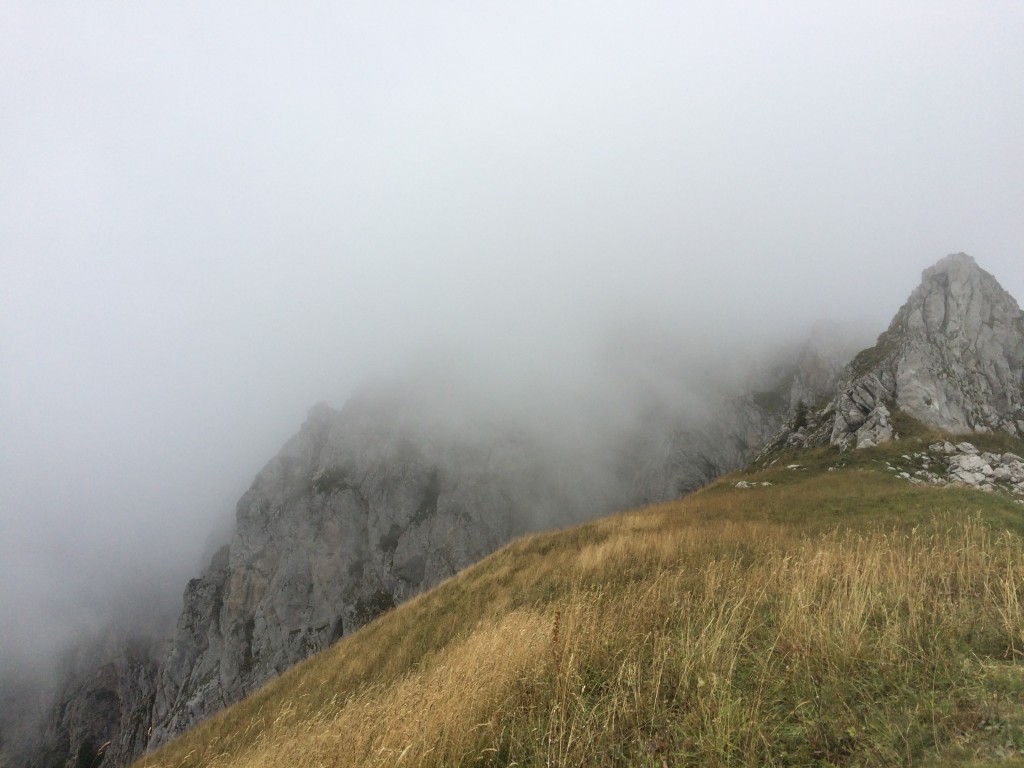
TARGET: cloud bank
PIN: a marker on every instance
(213, 217)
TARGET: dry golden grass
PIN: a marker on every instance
(731, 628)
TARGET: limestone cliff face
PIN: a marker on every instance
(961, 361)
(358, 511)
(100, 712)
(690, 455)
(952, 358)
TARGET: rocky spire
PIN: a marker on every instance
(963, 364)
(952, 358)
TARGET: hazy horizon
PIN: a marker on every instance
(212, 218)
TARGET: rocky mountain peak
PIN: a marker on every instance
(961, 262)
(952, 358)
(956, 303)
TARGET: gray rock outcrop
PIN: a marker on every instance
(952, 358)
(963, 368)
(963, 465)
(680, 456)
(356, 513)
(101, 710)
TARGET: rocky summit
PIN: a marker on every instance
(952, 358)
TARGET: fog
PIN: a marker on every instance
(213, 216)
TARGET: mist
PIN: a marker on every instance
(213, 217)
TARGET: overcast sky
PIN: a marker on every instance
(213, 215)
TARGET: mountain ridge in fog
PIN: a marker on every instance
(415, 478)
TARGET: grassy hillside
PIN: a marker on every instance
(838, 616)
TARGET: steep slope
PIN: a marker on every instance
(952, 358)
(962, 363)
(683, 457)
(841, 617)
(364, 508)
(101, 711)
(357, 512)
(370, 505)
(373, 504)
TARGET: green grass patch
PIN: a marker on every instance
(831, 618)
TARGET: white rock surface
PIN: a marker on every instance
(961, 368)
(952, 358)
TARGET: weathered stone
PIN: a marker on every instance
(875, 429)
(969, 462)
(355, 514)
(101, 710)
(952, 358)
(968, 477)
